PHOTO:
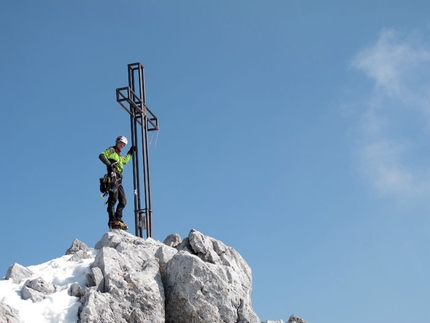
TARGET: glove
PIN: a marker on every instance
(131, 150)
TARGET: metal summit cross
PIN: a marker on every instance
(133, 100)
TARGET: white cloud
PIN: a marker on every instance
(394, 135)
(382, 163)
(395, 63)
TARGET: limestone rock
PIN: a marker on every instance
(78, 250)
(172, 240)
(36, 289)
(295, 319)
(127, 284)
(195, 280)
(164, 254)
(95, 278)
(9, 314)
(207, 282)
(199, 281)
(76, 290)
(18, 273)
(76, 246)
(99, 307)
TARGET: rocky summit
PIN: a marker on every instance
(133, 280)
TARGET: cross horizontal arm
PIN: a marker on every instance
(137, 107)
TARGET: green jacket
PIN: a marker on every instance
(110, 156)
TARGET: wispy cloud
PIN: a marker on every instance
(394, 134)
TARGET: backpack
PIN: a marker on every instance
(108, 183)
(104, 186)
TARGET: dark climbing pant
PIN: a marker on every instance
(119, 196)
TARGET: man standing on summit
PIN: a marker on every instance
(114, 162)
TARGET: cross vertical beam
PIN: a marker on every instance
(133, 100)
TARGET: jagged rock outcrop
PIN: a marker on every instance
(135, 280)
(197, 279)
(125, 282)
(18, 273)
(78, 250)
(208, 282)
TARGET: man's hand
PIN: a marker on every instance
(112, 168)
(131, 150)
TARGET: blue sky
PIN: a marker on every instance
(296, 132)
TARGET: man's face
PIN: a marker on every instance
(120, 145)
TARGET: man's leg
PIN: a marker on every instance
(122, 202)
(113, 197)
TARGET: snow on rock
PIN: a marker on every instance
(37, 289)
(128, 279)
(47, 288)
